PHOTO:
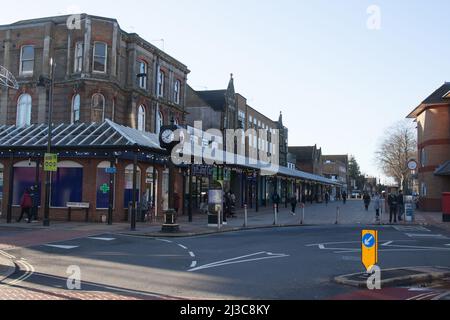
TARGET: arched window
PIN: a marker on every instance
(98, 108)
(176, 92)
(141, 118)
(159, 121)
(24, 110)
(75, 108)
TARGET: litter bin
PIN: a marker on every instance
(446, 206)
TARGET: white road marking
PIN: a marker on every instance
(191, 254)
(387, 243)
(102, 239)
(61, 246)
(29, 271)
(240, 260)
(164, 240)
(183, 247)
(421, 235)
(194, 264)
(321, 247)
(7, 255)
(411, 228)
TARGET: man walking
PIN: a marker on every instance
(293, 204)
(367, 200)
(344, 197)
(392, 201)
(276, 200)
(327, 198)
(377, 206)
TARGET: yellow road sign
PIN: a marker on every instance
(369, 245)
(51, 162)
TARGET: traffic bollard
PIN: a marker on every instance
(219, 220)
(338, 213)
(303, 215)
(275, 208)
(245, 216)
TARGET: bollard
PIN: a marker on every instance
(338, 213)
(303, 215)
(275, 208)
(245, 216)
(219, 220)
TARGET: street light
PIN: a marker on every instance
(48, 82)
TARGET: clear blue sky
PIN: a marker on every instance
(339, 84)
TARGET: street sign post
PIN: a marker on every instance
(369, 247)
(50, 162)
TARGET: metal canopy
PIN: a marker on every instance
(106, 135)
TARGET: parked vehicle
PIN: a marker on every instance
(356, 194)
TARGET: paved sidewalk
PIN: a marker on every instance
(353, 213)
(433, 219)
(7, 267)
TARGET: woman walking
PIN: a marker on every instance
(25, 204)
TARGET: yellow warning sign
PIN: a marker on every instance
(369, 247)
(50, 162)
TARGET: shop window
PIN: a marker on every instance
(128, 192)
(103, 189)
(24, 178)
(67, 184)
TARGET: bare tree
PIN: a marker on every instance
(398, 147)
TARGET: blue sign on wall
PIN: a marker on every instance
(112, 170)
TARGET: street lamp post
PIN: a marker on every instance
(48, 82)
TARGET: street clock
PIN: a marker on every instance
(167, 136)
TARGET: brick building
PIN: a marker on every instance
(102, 73)
(433, 127)
(336, 167)
(309, 159)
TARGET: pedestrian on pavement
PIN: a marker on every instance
(276, 200)
(392, 201)
(25, 204)
(327, 198)
(294, 204)
(377, 205)
(176, 202)
(344, 197)
(34, 208)
(367, 200)
(401, 205)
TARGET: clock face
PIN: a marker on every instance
(167, 136)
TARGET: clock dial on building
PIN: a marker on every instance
(167, 136)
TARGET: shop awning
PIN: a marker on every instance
(97, 136)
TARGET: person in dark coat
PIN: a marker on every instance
(367, 199)
(26, 203)
(276, 200)
(344, 197)
(392, 202)
(293, 204)
(327, 198)
(401, 206)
